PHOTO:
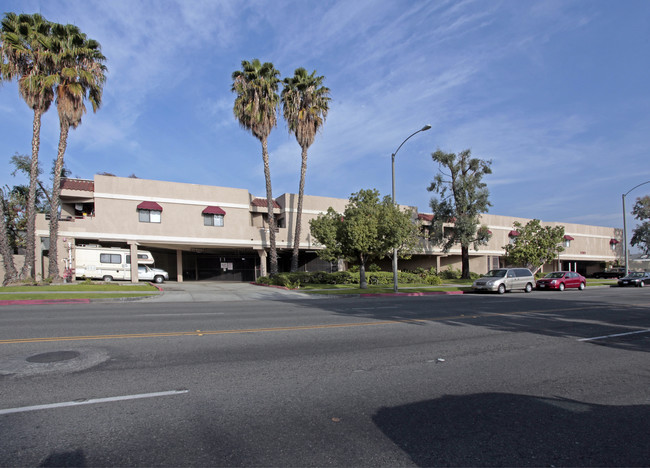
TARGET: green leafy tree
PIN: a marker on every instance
(256, 104)
(80, 77)
(368, 229)
(535, 245)
(16, 202)
(641, 234)
(25, 53)
(305, 103)
(462, 197)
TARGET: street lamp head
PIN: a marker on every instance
(425, 128)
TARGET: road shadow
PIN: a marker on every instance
(523, 313)
(75, 458)
(496, 429)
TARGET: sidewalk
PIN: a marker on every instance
(221, 291)
(172, 291)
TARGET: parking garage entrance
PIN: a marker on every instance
(226, 266)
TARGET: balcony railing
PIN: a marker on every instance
(68, 217)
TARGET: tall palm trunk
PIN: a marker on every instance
(53, 271)
(273, 257)
(28, 269)
(11, 274)
(301, 193)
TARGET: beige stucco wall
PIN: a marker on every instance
(116, 216)
(181, 228)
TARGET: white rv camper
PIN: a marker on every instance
(107, 263)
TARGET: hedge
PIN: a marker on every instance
(295, 280)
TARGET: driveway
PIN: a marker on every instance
(214, 291)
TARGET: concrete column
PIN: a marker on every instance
(134, 261)
(179, 266)
(437, 263)
(262, 254)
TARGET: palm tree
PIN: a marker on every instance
(256, 87)
(6, 252)
(80, 74)
(305, 103)
(25, 56)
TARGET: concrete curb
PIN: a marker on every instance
(272, 286)
(432, 293)
(44, 301)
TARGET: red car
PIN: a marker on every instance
(562, 280)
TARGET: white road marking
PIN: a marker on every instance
(615, 335)
(90, 401)
(180, 314)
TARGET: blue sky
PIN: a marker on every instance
(555, 93)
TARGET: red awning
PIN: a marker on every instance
(513, 233)
(614, 241)
(569, 238)
(425, 217)
(261, 202)
(214, 210)
(149, 205)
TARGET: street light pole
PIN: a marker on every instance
(423, 129)
(627, 255)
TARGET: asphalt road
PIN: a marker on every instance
(540, 379)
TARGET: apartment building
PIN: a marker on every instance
(200, 232)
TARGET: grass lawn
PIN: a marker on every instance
(112, 287)
(76, 291)
(50, 296)
(601, 282)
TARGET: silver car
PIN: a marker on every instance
(505, 279)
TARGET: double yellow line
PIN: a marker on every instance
(281, 329)
(200, 332)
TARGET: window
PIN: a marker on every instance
(213, 220)
(140, 257)
(110, 258)
(149, 216)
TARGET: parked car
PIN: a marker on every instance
(505, 279)
(609, 274)
(635, 278)
(561, 280)
(146, 273)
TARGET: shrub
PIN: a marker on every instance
(407, 277)
(421, 272)
(264, 280)
(341, 277)
(320, 277)
(433, 280)
(372, 267)
(450, 273)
